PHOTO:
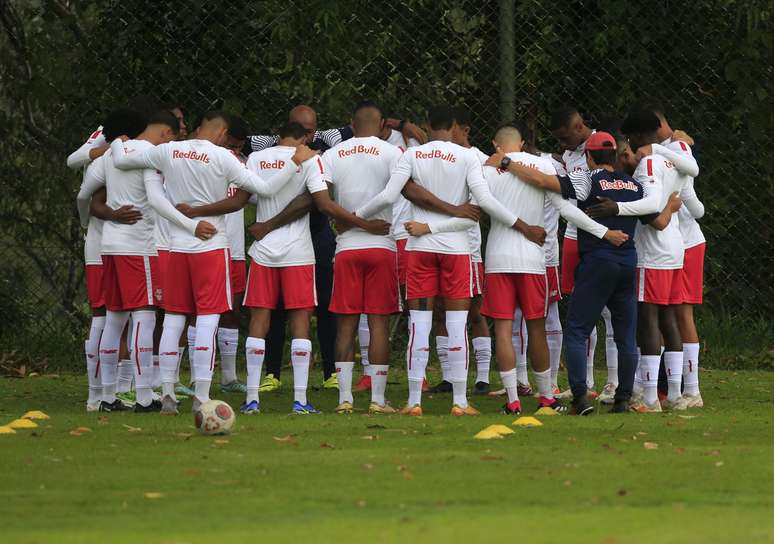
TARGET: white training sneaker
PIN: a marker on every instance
(607, 396)
(564, 395)
(92, 406)
(678, 405)
(694, 401)
(643, 408)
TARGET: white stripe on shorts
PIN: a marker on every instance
(640, 285)
(148, 280)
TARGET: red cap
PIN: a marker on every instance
(600, 141)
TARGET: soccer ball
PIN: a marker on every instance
(214, 417)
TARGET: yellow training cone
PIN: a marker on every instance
(486, 434)
(35, 414)
(5, 429)
(546, 411)
(22, 424)
(499, 429)
(527, 421)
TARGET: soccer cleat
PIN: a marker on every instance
(381, 408)
(442, 387)
(512, 408)
(608, 394)
(678, 405)
(466, 411)
(620, 407)
(363, 385)
(642, 407)
(183, 392)
(332, 382)
(155, 396)
(168, 406)
(555, 390)
(564, 395)
(129, 398)
(195, 405)
(303, 409)
(425, 386)
(269, 383)
(115, 406)
(481, 388)
(580, 407)
(233, 387)
(93, 406)
(591, 394)
(344, 408)
(524, 389)
(251, 407)
(550, 407)
(154, 406)
(415, 410)
(694, 401)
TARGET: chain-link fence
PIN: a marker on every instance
(65, 64)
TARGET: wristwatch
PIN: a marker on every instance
(504, 163)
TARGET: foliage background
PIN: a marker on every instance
(64, 64)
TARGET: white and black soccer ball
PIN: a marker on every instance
(214, 417)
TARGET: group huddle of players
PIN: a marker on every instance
(165, 252)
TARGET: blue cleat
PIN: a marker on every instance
(299, 408)
(251, 407)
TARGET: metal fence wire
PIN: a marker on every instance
(67, 63)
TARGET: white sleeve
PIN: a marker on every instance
(80, 157)
(238, 174)
(314, 176)
(93, 180)
(327, 168)
(691, 200)
(131, 159)
(154, 188)
(651, 189)
(576, 216)
(400, 175)
(453, 224)
(484, 197)
(684, 162)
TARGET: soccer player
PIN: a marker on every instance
(130, 264)
(515, 267)
(197, 171)
(365, 277)
(439, 255)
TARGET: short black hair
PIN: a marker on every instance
(216, 114)
(653, 105)
(609, 123)
(440, 117)
(238, 128)
(165, 117)
(640, 121)
(292, 130)
(604, 156)
(562, 117)
(461, 116)
(123, 121)
(367, 104)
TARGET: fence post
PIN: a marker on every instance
(507, 61)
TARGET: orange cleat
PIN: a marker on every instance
(415, 410)
(363, 385)
(467, 411)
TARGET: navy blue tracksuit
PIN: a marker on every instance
(605, 276)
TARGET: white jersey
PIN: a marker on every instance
(507, 250)
(574, 161)
(197, 173)
(475, 230)
(235, 230)
(551, 246)
(291, 244)
(692, 207)
(161, 230)
(359, 169)
(401, 210)
(127, 188)
(80, 159)
(659, 249)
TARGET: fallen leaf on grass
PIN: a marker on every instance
(368, 466)
(326, 445)
(492, 457)
(687, 417)
(679, 451)
(650, 445)
(184, 436)
(719, 464)
(361, 503)
(103, 420)
(376, 426)
(78, 431)
(153, 495)
(370, 437)
(221, 441)
(622, 492)
(567, 483)
(132, 429)
(288, 438)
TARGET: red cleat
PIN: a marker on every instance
(425, 387)
(363, 385)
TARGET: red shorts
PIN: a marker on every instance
(692, 275)
(130, 282)
(402, 260)
(438, 274)
(295, 284)
(554, 291)
(656, 286)
(570, 260)
(478, 279)
(161, 270)
(504, 292)
(198, 283)
(365, 282)
(94, 291)
(238, 277)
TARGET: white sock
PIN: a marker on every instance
(649, 376)
(457, 329)
(228, 341)
(543, 381)
(417, 352)
(156, 374)
(108, 353)
(204, 355)
(364, 340)
(180, 354)
(143, 324)
(300, 355)
(520, 339)
(125, 374)
(691, 368)
(191, 335)
(592, 346)
(344, 373)
(637, 388)
(255, 350)
(91, 349)
(170, 353)
(554, 339)
(673, 362)
(442, 350)
(482, 348)
(611, 349)
(379, 383)
(511, 384)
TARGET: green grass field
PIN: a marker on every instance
(149, 479)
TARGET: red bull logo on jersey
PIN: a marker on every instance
(618, 185)
(436, 154)
(272, 165)
(191, 156)
(359, 150)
